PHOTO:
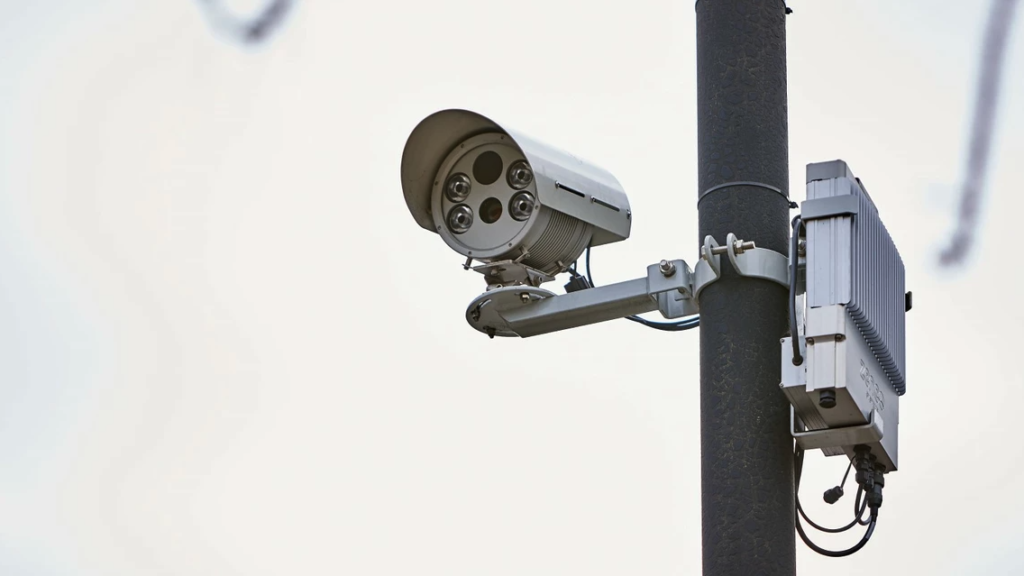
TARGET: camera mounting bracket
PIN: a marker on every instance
(670, 287)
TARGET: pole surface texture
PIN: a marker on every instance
(746, 449)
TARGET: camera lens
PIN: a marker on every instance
(490, 210)
(487, 168)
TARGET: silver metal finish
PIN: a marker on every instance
(708, 268)
(521, 206)
(500, 238)
(746, 258)
(487, 311)
(829, 206)
(869, 433)
(460, 219)
(458, 187)
(581, 308)
(673, 301)
(837, 359)
(737, 246)
(520, 175)
(509, 272)
(852, 260)
(509, 308)
(852, 332)
(575, 205)
(527, 311)
(667, 268)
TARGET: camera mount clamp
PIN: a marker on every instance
(670, 287)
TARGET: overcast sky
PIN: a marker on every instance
(226, 348)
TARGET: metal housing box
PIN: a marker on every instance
(855, 317)
(837, 358)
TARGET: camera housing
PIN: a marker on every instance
(525, 210)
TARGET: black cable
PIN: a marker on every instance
(858, 511)
(679, 326)
(860, 516)
(847, 475)
(794, 259)
(798, 463)
(838, 553)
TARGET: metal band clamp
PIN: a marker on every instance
(760, 185)
(746, 258)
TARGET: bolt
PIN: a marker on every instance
(524, 297)
(840, 337)
(801, 248)
(739, 247)
(667, 268)
(810, 341)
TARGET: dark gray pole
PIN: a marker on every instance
(746, 448)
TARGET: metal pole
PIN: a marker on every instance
(746, 449)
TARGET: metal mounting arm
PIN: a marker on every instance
(670, 287)
(528, 311)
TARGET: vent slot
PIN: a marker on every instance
(878, 302)
(570, 190)
(600, 202)
(852, 260)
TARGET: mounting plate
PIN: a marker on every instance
(484, 312)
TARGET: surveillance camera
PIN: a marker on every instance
(523, 209)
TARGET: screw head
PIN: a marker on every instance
(524, 298)
(667, 268)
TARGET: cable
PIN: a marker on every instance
(679, 326)
(838, 553)
(794, 259)
(858, 508)
(798, 463)
(847, 475)
(860, 516)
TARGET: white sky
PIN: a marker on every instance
(225, 347)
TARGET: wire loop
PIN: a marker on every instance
(761, 185)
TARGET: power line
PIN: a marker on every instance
(986, 101)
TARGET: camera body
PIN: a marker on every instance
(524, 209)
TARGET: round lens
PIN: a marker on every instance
(458, 187)
(520, 175)
(522, 206)
(490, 210)
(487, 168)
(460, 219)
